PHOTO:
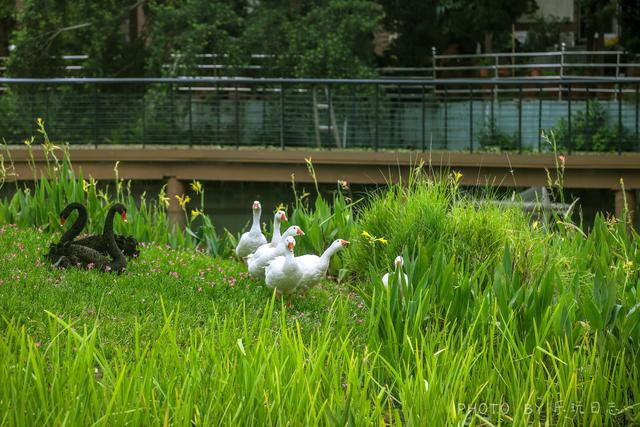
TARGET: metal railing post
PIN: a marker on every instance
(471, 120)
(329, 124)
(95, 116)
(446, 120)
(218, 110)
(424, 118)
(281, 116)
(562, 49)
(540, 119)
(376, 117)
(434, 63)
(190, 119)
(586, 121)
(520, 120)
(570, 145)
(492, 122)
(237, 117)
(144, 116)
(173, 109)
(619, 119)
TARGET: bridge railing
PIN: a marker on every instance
(597, 114)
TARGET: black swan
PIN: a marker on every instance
(55, 254)
(128, 244)
(91, 258)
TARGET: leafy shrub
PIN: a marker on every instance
(492, 138)
(592, 131)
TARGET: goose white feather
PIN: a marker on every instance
(277, 220)
(314, 267)
(257, 263)
(398, 263)
(252, 239)
(283, 272)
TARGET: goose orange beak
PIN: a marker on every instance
(290, 245)
(344, 242)
(284, 217)
(300, 231)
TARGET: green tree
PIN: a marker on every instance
(182, 31)
(629, 16)
(47, 29)
(327, 38)
(596, 17)
(421, 24)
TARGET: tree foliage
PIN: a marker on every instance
(48, 29)
(183, 30)
(328, 38)
(421, 24)
(629, 15)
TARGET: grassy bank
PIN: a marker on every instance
(504, 320)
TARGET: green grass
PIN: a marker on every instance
(82, 347)
(503, 322)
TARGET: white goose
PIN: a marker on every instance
(252, 239)
(259, 260)
(277, 220)
(315, 267)
(283, 273)
(399, 262)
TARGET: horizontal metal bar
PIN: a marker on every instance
(530, 54)
(267, 81)
(499, 67)
(498, 55)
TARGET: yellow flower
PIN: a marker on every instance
(195, 213)
(28, 142)
(183, 200)
(535, 225)
(373, 239)
(196, 186)
(281, 207)
(40, 122)
(457, 176)
(628, 265)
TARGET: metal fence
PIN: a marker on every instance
(471, 115)
(559, 63)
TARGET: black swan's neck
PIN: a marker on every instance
(79, 223)
(108, 236)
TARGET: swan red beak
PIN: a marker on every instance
(124, 216)
(62, 220)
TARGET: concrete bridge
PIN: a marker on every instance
(177, 166)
